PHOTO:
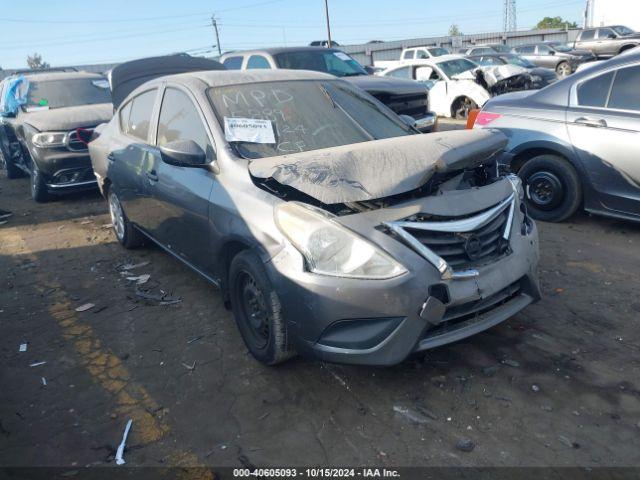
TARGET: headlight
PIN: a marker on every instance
(331, 249)
(536, 78)
(49, 139)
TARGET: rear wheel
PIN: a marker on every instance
(461, 107)
(552, 188)
(126, 233)
(563, 69)
(257, 310)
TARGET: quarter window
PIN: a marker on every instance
(135, 116)
(606, 33)
(594, 92)
(422, 54)
(404, 72)
(625, 94)
(408, 55)
(179, 120)
(258, 61)
(233, 63)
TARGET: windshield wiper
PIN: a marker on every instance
(353, 74)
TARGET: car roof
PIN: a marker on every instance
(222, 78)
(51, 76)
(276, 51)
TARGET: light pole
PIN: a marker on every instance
(326, 11)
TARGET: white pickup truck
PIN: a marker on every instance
(413, 53)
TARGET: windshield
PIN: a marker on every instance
(336, 63)
(519, 61)
(456, 67)
(561, 47)
(301, 115)
(501, 48)
(622, 30)
(438, 52)
(67, 93)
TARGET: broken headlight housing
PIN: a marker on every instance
(49, 139)
(331, 249)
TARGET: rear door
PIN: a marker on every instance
(528, 52)
(587, 41)
(179, 210)
(604, 126)
(129, 159)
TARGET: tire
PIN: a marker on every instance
(553, 191)
(257, 310)
(461, 107)
(126, 233)
(38, 185)
(9, 162)
(563, 69)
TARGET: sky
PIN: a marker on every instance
(79, 32)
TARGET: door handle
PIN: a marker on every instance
(152, 175)
(591, 122)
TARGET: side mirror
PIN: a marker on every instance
(183, 153)
(612, 35)
(423, 73)
(552, 52)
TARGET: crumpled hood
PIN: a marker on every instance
(69, 118)
(396, 86)
(468, 75)
(379, 168)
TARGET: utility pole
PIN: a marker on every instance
(326, 11)
(215, 27)
(509, 19)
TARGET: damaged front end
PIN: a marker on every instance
(437, 206)
(504, 79)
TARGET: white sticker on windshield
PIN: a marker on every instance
(342, 56)
(248, 130)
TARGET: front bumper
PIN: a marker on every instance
(427, 123)
(64, 171)
(381, 322)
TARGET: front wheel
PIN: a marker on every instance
(126, 233)
(461, 107)
(39, 191)
(257, 310)
(552, 188)
(563, 69)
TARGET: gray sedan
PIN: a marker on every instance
(334, 228)
(576, 143)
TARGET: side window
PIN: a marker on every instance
(408, 55)
(258, 61)
(179, 120)
(587, 35)
(422, 54)
(605, 33)
(528, 50)
(233, 63)
(544, 50)
(404, 72)
(625, 94)
(594, 92)
(139, 115)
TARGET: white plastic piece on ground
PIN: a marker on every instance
(132, 266)
(140, 280)
(23, 347)
(44, 381)
(85, 307)
(120, 451)
(37, 364)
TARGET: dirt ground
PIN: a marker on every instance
(557, 385)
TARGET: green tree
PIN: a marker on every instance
(454, 31)
(555, 22)
(35, 62)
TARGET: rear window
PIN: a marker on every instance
(67, 93)
(328, 61)
(258, 62)
(233, 63)
(438, 52)
(625, 94)
(594, 92)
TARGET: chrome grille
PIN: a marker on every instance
(456, 245)
(78, 139)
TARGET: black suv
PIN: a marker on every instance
(47, 119)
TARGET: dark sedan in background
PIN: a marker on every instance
(540, 77)
(577, 142)
(555, 55)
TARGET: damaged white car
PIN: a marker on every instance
(457, 85)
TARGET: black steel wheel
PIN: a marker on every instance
(461, 108)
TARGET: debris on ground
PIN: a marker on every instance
(44, 381)
(511, 363)
(23, 347)
(195, 339)
(85, 307)
(120, 451)
(414, 417)
(535, 388)
(190, 367)
(133, 266)
(465, 445)
(107, 225)
(162, 297)
(141, 279)
(564, 440)
(37, 364)
(490, 371)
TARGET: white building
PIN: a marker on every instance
(613, 12)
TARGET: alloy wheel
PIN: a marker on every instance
(117, 215)
(564, 69)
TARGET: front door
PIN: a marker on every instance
(178, 216)
(604, 127)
